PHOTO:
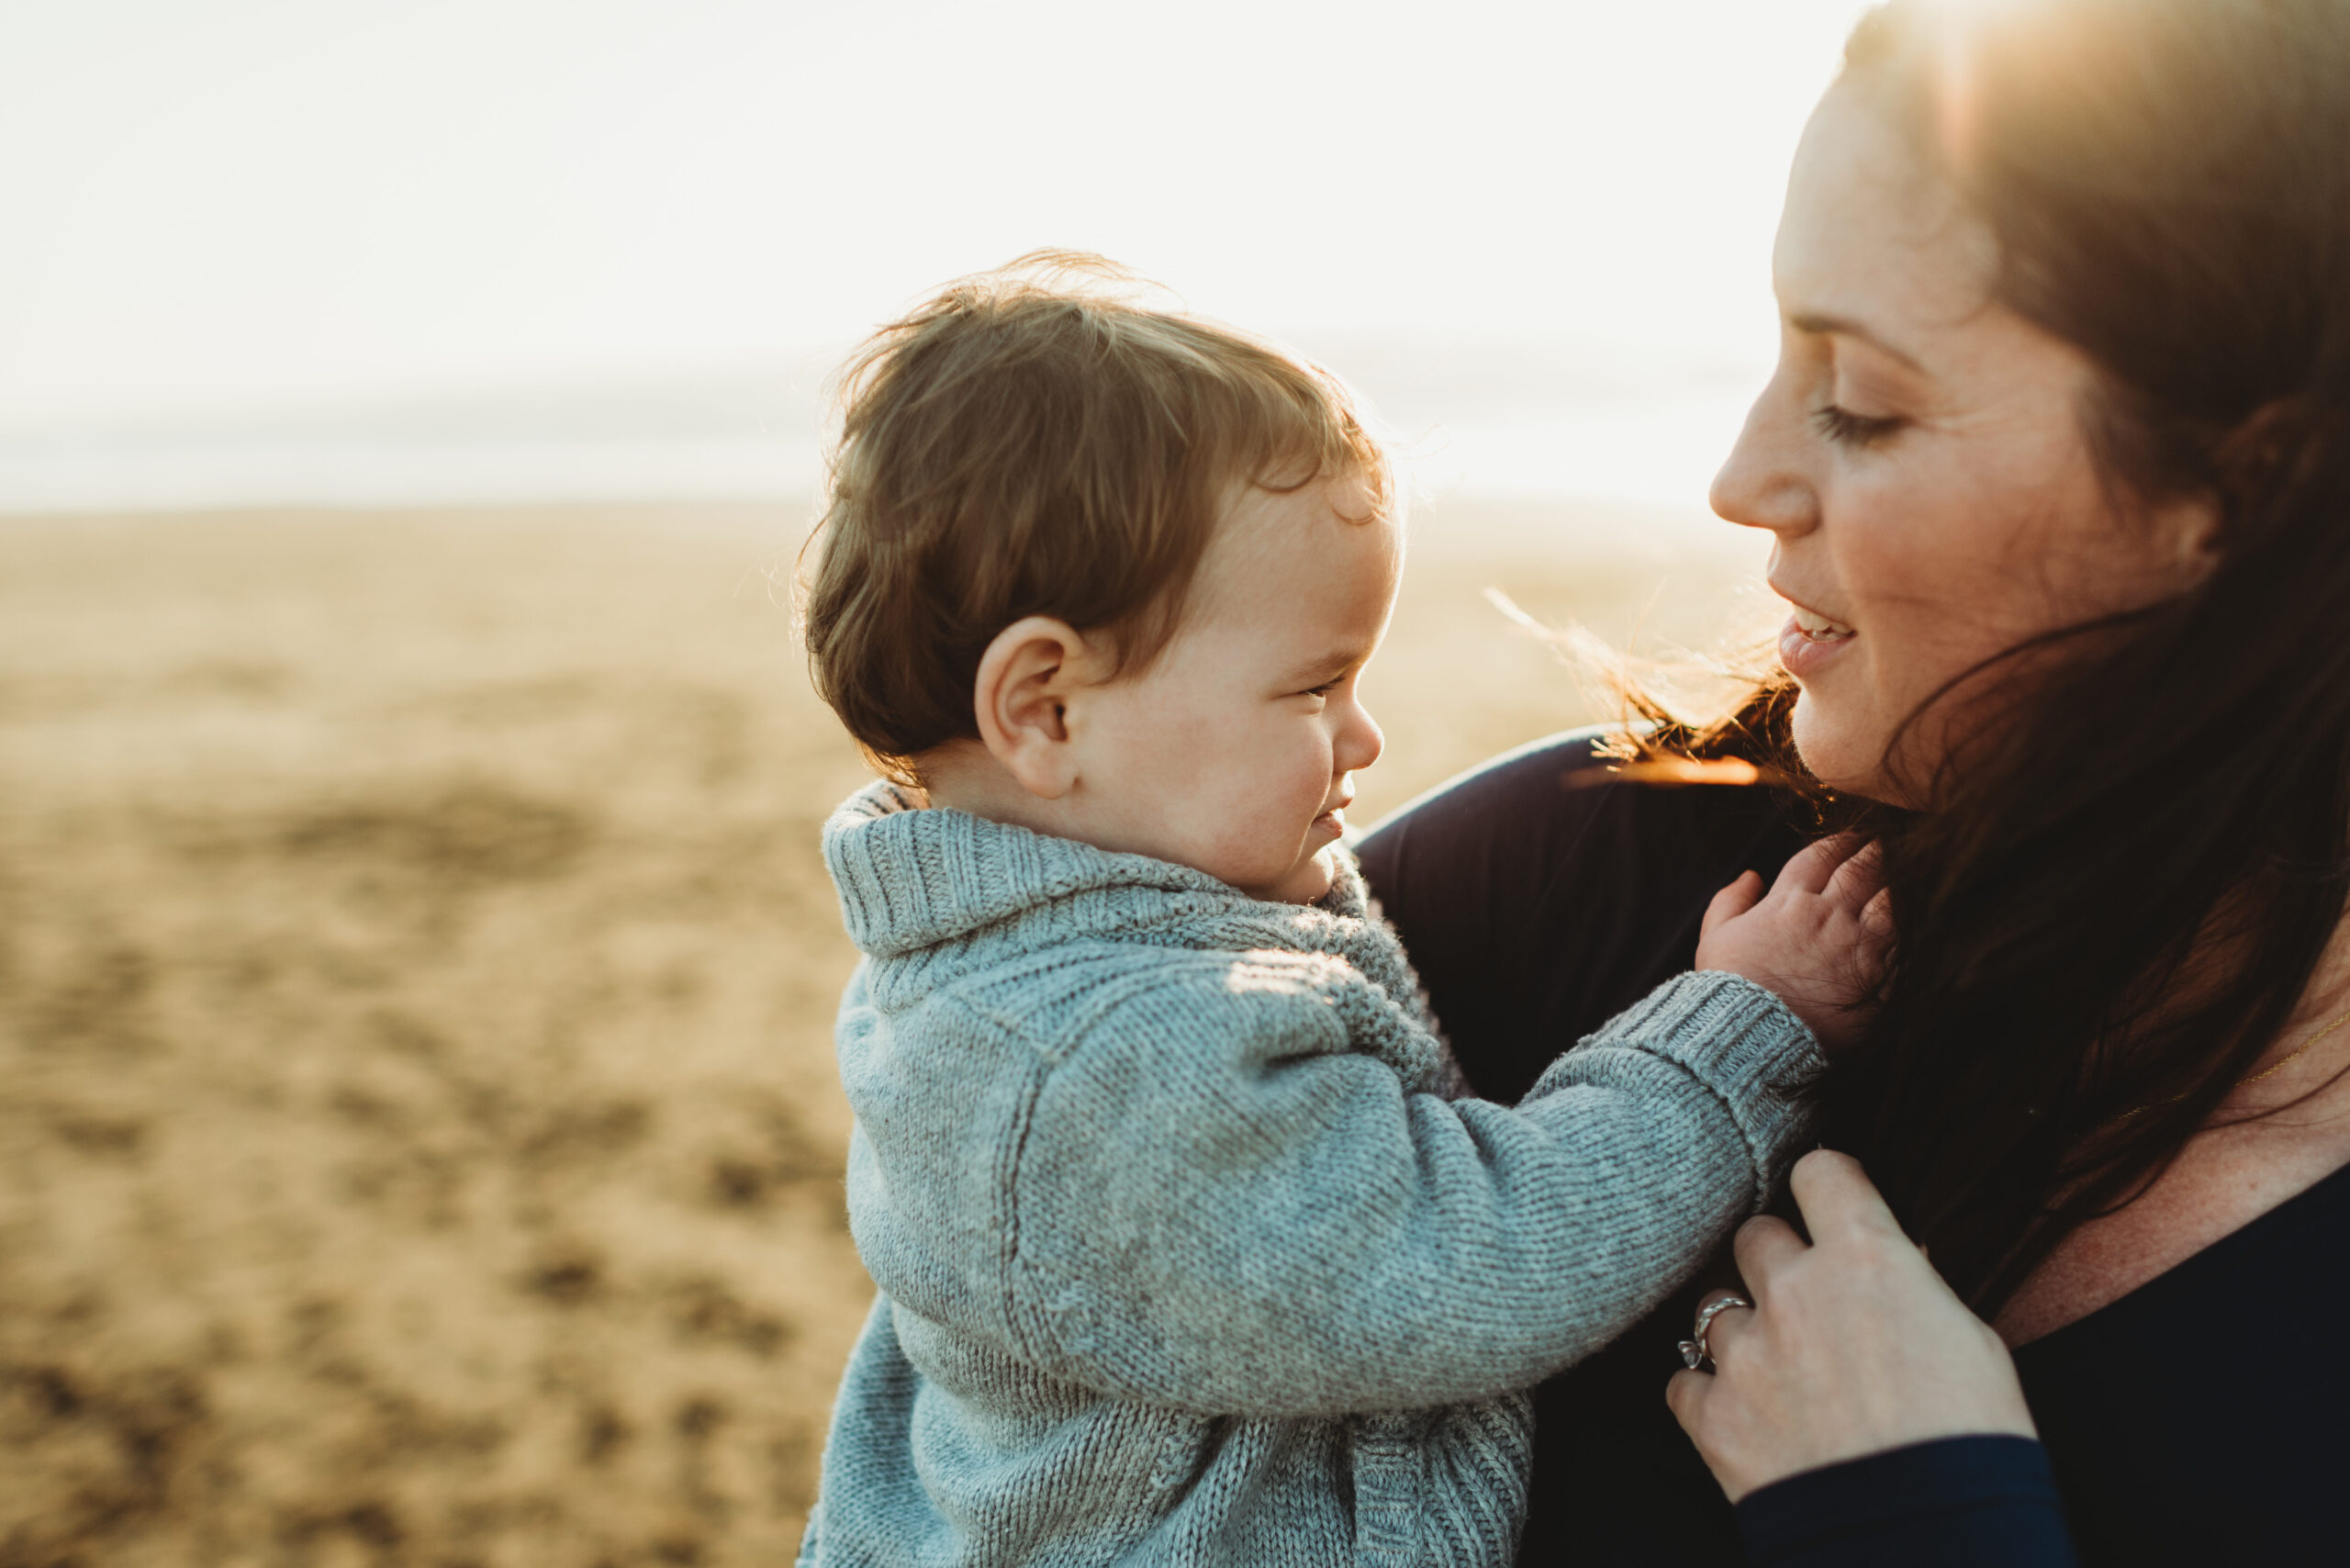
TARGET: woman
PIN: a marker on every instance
(2057, 467)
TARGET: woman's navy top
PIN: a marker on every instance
(2202, 1418)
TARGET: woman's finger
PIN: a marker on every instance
(1685, 1396)
(1836, 1198)
(1764, 1246)
(1814, 864)
(1732, 902)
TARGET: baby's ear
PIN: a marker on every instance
(1021, 700)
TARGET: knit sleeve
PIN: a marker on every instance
(1276, 1227)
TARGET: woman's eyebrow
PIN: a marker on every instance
(1845, 327)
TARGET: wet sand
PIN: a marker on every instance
(418, 1136)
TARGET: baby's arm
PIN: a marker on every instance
(1296, 1235)
(1281, 1230)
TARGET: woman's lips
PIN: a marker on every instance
(1810, 642)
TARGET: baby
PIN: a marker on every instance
(1192, 1246)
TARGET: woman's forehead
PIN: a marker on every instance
(1872, 237)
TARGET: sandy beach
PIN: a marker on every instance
(419, 1142)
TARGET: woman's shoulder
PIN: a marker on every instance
(1514, 785)
(1551, 799)
(1541, 892)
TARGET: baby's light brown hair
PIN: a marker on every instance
(1034, 441)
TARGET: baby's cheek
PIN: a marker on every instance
(1249, 840)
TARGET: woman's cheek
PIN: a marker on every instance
(1914, 652)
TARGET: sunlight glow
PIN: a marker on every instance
(290, 205)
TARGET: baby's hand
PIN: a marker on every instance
(1819, 938)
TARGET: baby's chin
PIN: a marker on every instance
(1308, 881)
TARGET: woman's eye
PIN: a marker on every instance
(1846, 428)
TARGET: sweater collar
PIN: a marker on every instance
(911, 877)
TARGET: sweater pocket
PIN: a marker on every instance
(1390, 1465)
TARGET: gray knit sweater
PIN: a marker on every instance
(1186, 1253)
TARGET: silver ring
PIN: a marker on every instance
(1693, 1353)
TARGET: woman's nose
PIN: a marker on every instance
(1761, 484)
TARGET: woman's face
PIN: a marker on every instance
(1919, 457)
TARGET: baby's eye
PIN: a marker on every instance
(1326, 687)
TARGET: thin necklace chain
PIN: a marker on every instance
(2298, 1052)
(2274, 1068)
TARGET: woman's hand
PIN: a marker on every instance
(1818, 940)
(1854, 1346)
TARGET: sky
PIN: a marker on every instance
(251, 213)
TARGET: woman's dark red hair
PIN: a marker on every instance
(2120, 899)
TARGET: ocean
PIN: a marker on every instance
(1590, 419)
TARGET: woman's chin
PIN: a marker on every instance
(1845, 754)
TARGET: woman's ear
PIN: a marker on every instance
(2255, 458)
(1021, 699)
(2190, 527)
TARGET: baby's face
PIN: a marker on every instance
(1231, 753)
